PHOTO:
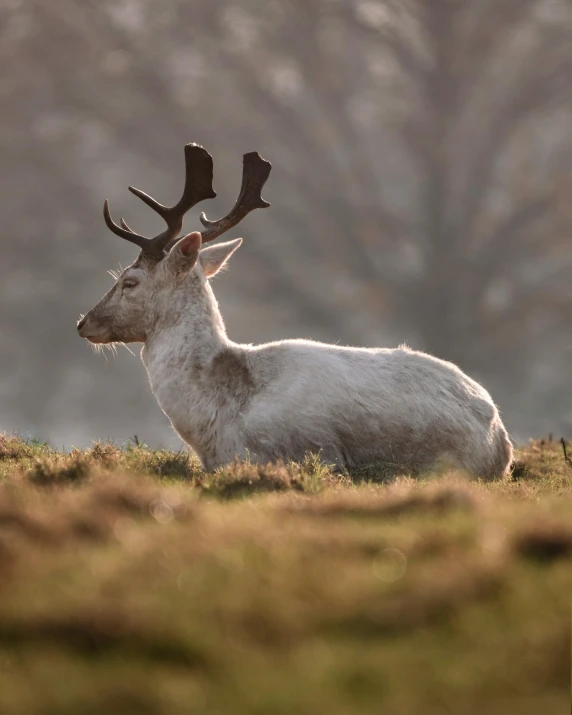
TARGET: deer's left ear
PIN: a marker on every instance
(213, 258)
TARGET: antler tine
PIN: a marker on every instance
(150, 201)
(150, 246)
(125, 226)
(124, 232)
(198, 187)
(198, 179)
(255, 173)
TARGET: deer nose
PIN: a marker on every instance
(81, 323)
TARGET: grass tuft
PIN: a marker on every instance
(59, 470)
(14, 447)
(545, 542)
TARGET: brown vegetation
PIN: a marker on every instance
(131, 581)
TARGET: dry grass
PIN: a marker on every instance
(132, 582)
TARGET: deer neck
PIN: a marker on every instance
(185, 361)
(181, 346)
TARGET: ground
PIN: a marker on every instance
(132, 582)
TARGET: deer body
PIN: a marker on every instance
(358, 407)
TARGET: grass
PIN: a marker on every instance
(132, 582)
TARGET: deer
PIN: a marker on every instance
(355, 407)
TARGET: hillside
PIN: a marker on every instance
(131, 582)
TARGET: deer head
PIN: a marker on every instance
(171, 269)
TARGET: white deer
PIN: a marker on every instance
(357, 407)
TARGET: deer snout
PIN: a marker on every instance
(92, 329)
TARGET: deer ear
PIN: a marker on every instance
(185, 253)
(213, 258)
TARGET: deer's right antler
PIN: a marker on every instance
(198, 187)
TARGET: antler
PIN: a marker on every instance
(198, 187)
(255, 173)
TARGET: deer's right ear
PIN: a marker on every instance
(185, 253)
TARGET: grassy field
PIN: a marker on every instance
(132, 582)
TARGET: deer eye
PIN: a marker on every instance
(130, 283)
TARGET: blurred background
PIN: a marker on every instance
(421, 189)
